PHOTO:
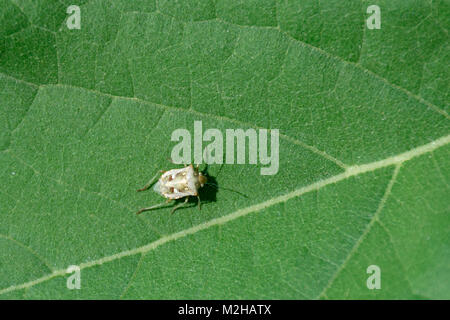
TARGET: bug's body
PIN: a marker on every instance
(177, 184)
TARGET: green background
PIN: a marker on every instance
(86, 118)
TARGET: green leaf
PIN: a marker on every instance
(86, 118)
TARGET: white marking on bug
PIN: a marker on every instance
(176, 184)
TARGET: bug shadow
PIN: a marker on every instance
(207, 194)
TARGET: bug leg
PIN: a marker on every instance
(180, 205)
(152, 207)
(152, 181)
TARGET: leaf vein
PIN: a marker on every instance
(29, 249)
(357, 65)
(349, 172)
(368, 228)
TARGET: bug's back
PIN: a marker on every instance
(177, 183)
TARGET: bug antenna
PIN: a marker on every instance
(218, 172)
(220, 169)
(217, 187)
(205, 171)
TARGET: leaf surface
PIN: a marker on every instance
(86, 118)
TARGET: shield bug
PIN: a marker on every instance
(176, 184)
